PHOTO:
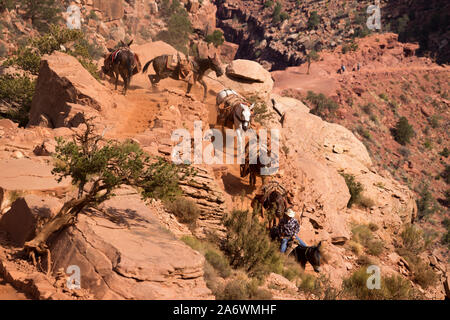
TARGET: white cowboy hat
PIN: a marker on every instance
(290, 213)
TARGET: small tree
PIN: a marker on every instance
(311, 56)
(313, 21)
(248, 245)
(98, 167)
(403, 131)
(216, 38)
(355, 188)
(179, 28)
(42, 13)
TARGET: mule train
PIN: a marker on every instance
(123, 62)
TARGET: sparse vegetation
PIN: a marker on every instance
(18, 93)
(42, 13)
(392, 287)
(322, 105)
(278, 15)
(243, 289)
(313, 20)
(363, 235)
(179, 26)
(426, 204)
(185, 209)
(414, 243)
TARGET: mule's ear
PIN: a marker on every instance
(129, 44)
(320, 243)
(110, 50)
(251, 107)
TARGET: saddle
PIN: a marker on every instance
(227, 108)
(173, 61)
(272, 186)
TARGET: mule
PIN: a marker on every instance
(274, 201)
(198, 66)
(264, 166)
(309, 254)
(122, 62)
(236, 112)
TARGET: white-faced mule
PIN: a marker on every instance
(233, 111)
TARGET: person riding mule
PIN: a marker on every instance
(287, 230)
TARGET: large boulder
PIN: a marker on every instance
(26, 214)
(246, 77)
(27, 176)
(247, 70)
(126, 254)
(64, 90)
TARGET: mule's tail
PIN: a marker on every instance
(146, 66)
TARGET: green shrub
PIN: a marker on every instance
(355, 189)
(368, 108)
(261, 112)
(7, 4)
(93, 16)
(412, 238)
(445, 152)
(241, 289)
(375, 247)
(3, 50)
(248, 245)
(366, 202)
(403, 131)
(321, 104)
(42, 13)
(268, 4)
(28, 57)
(391, 288)
(186, 210)
(179, 28)
(364, 132)
(313, 20)
(426, 204)
(18, 93)
(215, 38)
(277, 14)
(364, 261)
(219, 262)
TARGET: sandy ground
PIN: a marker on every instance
(7, 292)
